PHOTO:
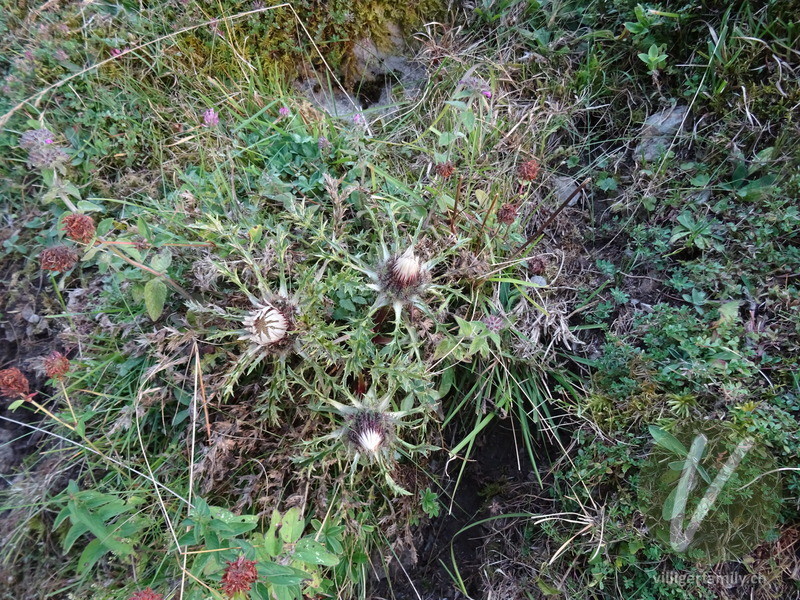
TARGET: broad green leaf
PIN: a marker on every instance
(161, 261)
(86, 206)
(669, 503)
(446, 138)
(61, 516)
(482, 197)
(16, 404)
(155, 295)
(457, 104)
(729, 312)
(283, 592)
(281, 575)
(468, 120)
(105, 226)
(76, 531)
(91, 554)
(272, 543)
(292, 526)
(314, 553)
(144, 228)
(668, 441)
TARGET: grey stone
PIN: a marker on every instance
(658, 131)
(563, 187)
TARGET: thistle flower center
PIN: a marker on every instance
(267, 325)
(370, 439)
(406, 268)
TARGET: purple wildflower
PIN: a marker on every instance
(284, 111)
(477, 85)
(359, 120)
(494, 323)
(210, 118)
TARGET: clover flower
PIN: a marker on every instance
(528, 170)
(42, 153)
(239, 576)
(210, 118)
(79, 227)
(58, 258)
(13, 383)
(507, 213)
(284, 111)
(47, 156)
(477, 86)
(56, 365)
(36, 138)
(494, 323)
(444, 170)
(323, 144)
(146, 594)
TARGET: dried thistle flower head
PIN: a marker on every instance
(56, 365)
(79, 227)
(265, 325)
(269, 326)
(13, 383)
(146, 594)
(444, 170)
(528, 170)
(400, 280)
(406, 269)
(239, 576)
(58, 258)
(507, 213)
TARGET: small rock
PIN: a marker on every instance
(539, 281)
(658, 132)
(563, 188)
(29, 314)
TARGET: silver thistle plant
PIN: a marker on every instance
(400, 279)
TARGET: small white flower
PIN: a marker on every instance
(265, 326)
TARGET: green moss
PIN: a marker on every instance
(275, 37)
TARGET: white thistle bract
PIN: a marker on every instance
(370, 431)
(407, 268)
(370, 439)
(400, 280)
(369, 427)
(265, 326)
